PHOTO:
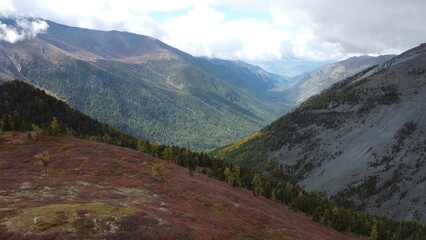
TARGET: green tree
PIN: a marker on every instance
(6, 125)
(395, 236)
(16, 122)
(326, 216)
(158, 172)
(229, 177)
(236, 172)
(339, 217)
(54, 128)
(374, 234)
(167, 154)
(273, 196)
(257, 185)
(317, 214)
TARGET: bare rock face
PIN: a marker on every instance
(370, 149)
(362, 141)
(323, 77)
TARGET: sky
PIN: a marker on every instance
(261, 30)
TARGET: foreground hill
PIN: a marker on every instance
(362, 141)
(144, 87)
(93, 190)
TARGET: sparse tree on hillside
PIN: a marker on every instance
(257, 185)
(236, 172)
(229, 177)
(374, 235)
(43, 159)
(167, 154)
(54, 127)
(158, 172)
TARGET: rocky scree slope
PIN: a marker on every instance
(362, 141)
(323, 77)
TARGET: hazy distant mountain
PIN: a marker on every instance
(362, 140)
(323, 77)
(290, 68)
(144, 87)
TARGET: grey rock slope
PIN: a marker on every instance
(374, 150)
(362, 141)
(323, 77)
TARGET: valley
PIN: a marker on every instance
(108, 134)
(145, 87)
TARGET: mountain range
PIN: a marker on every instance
(153, 91)
(361, 141)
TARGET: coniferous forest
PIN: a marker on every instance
(25, 108)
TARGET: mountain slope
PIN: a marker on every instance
(143, 86)
(77, 189)
(96, 191)
(323, 77)
(22, 105)
(91, 190)
(362, 141)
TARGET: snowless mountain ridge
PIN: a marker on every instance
(362, 141)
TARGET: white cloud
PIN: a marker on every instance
(344, 28)
(6, 7)
(23, 29)
(311, 29)
(204, 31)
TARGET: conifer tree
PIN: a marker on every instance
(374, 234)
(229, 177)
(257, 185)
(236, 173)
(54, 128)
(6, 125)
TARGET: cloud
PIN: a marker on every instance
(21, 30)
(345, 28)
(205, 31)
(6, 7)
(248, 29)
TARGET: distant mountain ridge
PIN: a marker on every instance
(362, 140)
(323, 77)
(144, 87)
